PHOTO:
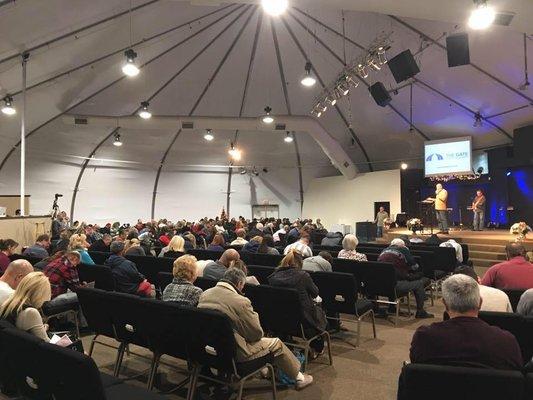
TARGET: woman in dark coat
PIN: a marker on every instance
(290, 275)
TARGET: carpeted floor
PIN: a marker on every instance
(369, 371)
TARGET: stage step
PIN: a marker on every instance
(483, 262)
(487, 255)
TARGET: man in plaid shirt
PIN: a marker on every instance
(63, 273)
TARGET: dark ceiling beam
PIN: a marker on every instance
(202, 94)
(289, 110)
(243, 102)
(508, 111)
(82, 171)
(338, 58)
(97, 92)
(473, 65)
(76, 31)
(119, 51)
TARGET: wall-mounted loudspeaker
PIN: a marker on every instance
(380, 94)
(403, 66)
(458, 50)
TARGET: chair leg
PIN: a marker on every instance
(328, 340)
(273, 380)
(409, 303)
(76, 316)
(241, 388)
(192, 385)
(373, 323)
(120, 357)
(91, 348)
(153, 371)
(359, 322)
(306, 357)
(397, 312)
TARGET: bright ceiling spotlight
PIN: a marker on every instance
(116, 141)
(361, 71)
(234, 153)
(482, 16)
(308, 80)
(288, 138)
(344, 87)
(351, 80)
(331, 100)
(382, 58)
(374, 64)
(209, 135)
(144, 113)
(8, 108)
(275, 7)
(130, 68)
(404, 166)
(267, 118)
(478, 122)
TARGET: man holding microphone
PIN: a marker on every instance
(441, 209)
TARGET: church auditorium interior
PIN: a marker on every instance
(255, 199)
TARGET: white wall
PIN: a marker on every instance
(336, 200)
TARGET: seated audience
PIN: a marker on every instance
(456, 246)
(493, 299)
(319, 225)
(182, 289)
(175, 248)
(216, 269)
(301, 246)
(332, 239)
(465, 339)
(40, 248)
(125, 274)
(257, 230)
(282, 230)
(240, 240)
(22, 307)
(190, 241)
(133, 247)
(267, 246)
(290, 275)
(217, 244)
(525, 305)
(7, 248)
(349, 244)
(14, 273)
(409, 278)
(63, 275)
(294, 233)
(239, 264)
(253, 245)
(320, 263)
(79, 243)
(227, 298)
(102, 244)
(62, 243)
(516, 273)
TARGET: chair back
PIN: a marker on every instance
(95, 307)
(514, 296)
(205, 283)
(151, 266)
(101, 275)
(260, 272)
(376, 278)
(202, 254)
(99, 257)
(163, 280)
(127, 319)
(338, 291)
(422, 382)
(267, 260)
(279, 309)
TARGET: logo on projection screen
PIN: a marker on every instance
(430, 157)
(448, 157)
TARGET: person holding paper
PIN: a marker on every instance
(22, 307)
(441, 209)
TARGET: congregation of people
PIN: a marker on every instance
(461, 339)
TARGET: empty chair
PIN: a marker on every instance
(101, 275)
(260, 272)
(514, 296)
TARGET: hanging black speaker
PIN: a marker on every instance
(457, 49)
(403, 66)
(380, 94)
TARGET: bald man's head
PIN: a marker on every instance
(15, 271)
(515, 250)
(228, 256)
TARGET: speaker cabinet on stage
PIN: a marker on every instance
(380, 94)
(403, 66)
(458, 50)
(365, 231)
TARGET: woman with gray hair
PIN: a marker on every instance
(464, 339)
(349, 244)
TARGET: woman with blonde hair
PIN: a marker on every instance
(133, 248)
(175, 248)
(22, 307)
(78, 242)
(349, 244)
(182, 289)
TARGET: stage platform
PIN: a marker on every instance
(486, 247)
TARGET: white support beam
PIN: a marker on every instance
(312, 126)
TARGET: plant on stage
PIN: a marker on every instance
(521, 229)
(414, 224)
(387, 222)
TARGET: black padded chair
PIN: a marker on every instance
(101, 275)
(280, 313)
(31, 260)
(202, 254)
(422, 382)
(268, 260)
(260, 272)
(99, 257)
(151, 266)
(339, 293)
(205, 283)
(514, 296)
(211, 343)
(163, 280)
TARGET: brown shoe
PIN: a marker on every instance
(306, 381)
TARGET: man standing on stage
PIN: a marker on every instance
(381, 216)
(441, 209)
(478, 206)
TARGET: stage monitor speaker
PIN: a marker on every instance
(458, 50)
(380, 94)
(403, 66)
